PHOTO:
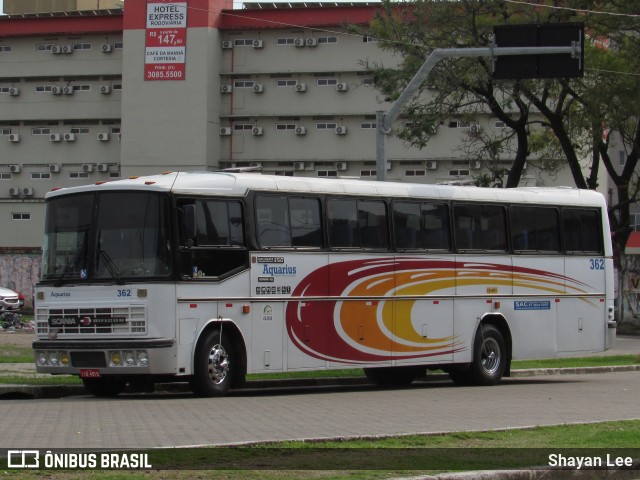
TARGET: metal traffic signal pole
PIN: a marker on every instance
(385, 120)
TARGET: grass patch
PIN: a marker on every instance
(16, 354)
(604, 361)
(381, 458)
(9, 379)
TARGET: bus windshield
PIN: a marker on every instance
(107, 236)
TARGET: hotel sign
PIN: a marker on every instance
(166, 40)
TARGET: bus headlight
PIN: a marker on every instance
(53, 358)
(143, 359)
(129, 359)
(42, 358)
(116, 359)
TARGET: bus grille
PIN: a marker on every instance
(130, 320)
(88, 360)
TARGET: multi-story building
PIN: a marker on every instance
(99, 94)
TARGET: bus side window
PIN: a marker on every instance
(372, 222)
(306, 226)
(342, 218)
(272, 214)
(406, 225)
(435, 221)
(581, 230)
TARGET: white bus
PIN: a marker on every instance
(206, 277)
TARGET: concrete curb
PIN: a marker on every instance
(10, 391)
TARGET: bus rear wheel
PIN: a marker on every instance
(213, 366)
(105, 386)
(393, 376)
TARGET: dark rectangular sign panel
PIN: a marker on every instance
(561, 65)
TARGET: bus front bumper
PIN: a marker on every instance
(95, 358)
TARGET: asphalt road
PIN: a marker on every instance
(169, 420)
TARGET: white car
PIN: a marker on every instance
(9, 300)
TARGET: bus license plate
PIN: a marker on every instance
(89, 373)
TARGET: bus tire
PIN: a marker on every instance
(213, 365)
(489, 356)
(392, 376)
(105, 386)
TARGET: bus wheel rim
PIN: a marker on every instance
(218, 364)
(490, 356)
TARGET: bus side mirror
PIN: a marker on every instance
(189, 226)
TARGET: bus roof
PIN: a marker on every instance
(238, 184)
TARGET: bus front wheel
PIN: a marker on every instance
(213, 366)
(489, 356)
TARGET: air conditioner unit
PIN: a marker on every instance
(298, 166)
(312, 42)
(258, 88)
(301, 130)
(342, 87)
(227, 44)
(341, 130)
(299, 42)
(67, 49)
(258, 44)
(27, 192)
(56, 49)
(106, 48)
(301, 87)
(68, 90)
(105, 89)
(55, 137)
(475, 128)
(15, 168)
(14, 137)
(341, 166)
(103, 136)
(431, 164)
(226, 88)
(475, 164)
(87, 167)
(14, 91)
(54, 168)
(14, 191)
(433, 129)
(69, 137)
(55, 90)
(257, 131)
(103, 167)
(224, 131)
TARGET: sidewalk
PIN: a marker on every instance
(625, 345)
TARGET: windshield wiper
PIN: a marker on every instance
(111, 266)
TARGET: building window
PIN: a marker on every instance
(82, 46)
(44, 88)
(326, 82)
(368, 125)
(368, 81)
(78, 175)
(326, 126)
(285, 126)
(40, 176)
(79, 130)
(240, 127)
(5, 176)
(44, 47)
(41, 131)
(622, 158)
(243, 42)
(327, 173)
(5, 131)
(243, 84)
(369, 39)
(368, 173)
(499, 124)
(415, 173)
(286, 41)
(458, 124)
(118, 45)
(634, 221)
(5, 48)
(459, 173)
(327, 40)
(81, 88)
(286, 83)
(20, 216)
